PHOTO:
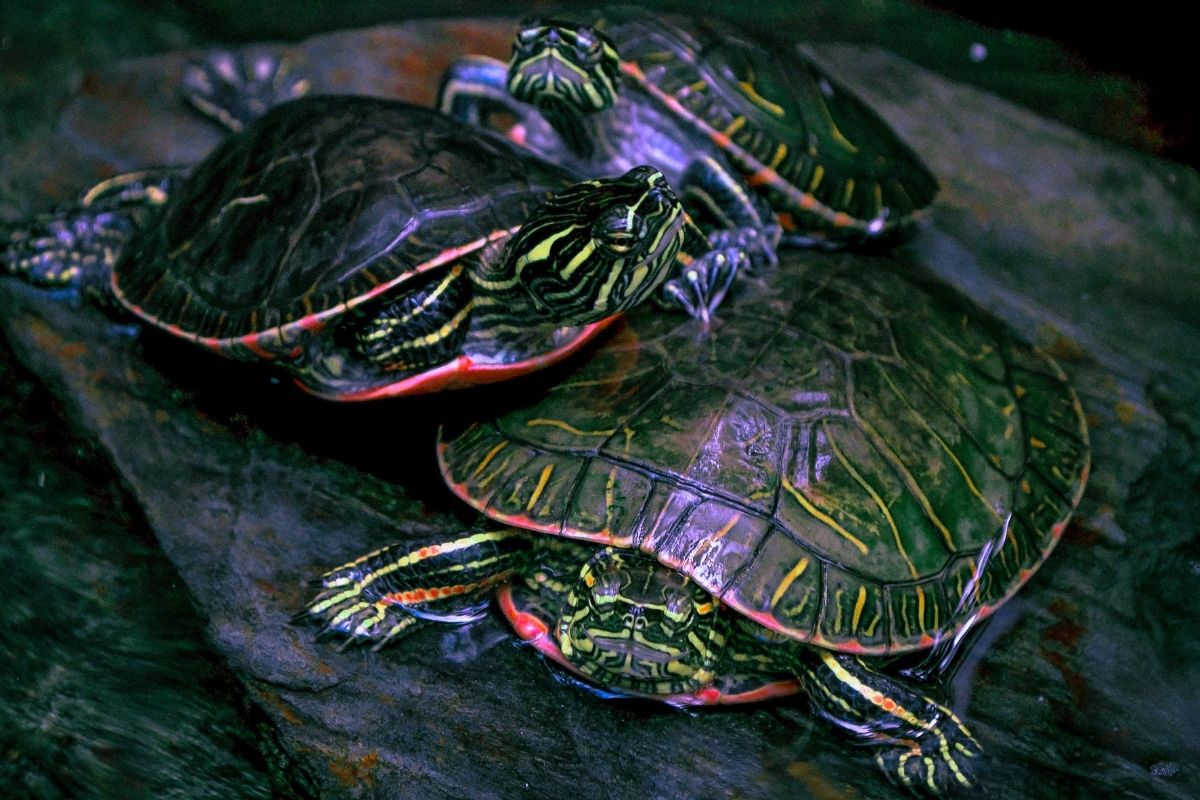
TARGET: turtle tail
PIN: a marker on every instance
(76, 246)
(923, 746)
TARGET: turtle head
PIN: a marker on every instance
(562, 66)
(593, 250)
(632, 624)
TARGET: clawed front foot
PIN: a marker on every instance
(393, 591)
(758, 244)
(235, 90)
(75, 246)
(701, 285)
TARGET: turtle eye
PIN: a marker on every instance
(588, 43)
(618, 230)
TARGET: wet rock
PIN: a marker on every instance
(1082, 686)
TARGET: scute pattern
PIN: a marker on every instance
(322, 200)
(762, 103)
(829, 460)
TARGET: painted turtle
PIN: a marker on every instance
(731, 122)
(850, 467)
(373, 248)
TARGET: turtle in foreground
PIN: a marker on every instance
(373, 248)
(849, 467)
(760, 136)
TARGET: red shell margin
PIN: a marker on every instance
(463, 372)
(268, 344)
(811, 637)
(535, 632)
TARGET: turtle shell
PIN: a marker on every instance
(829, 461)
(323, 204)
(820, 155)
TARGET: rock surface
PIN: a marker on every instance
(1083, 686)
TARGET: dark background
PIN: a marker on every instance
(1121, 76)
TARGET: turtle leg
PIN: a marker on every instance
(420, 328)
(75, 246)
(703, 274)
(743, 219)
(475, 89)
(393, 591)
(923, 746)
(234, 90)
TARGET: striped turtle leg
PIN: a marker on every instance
(743, 218)
(924, 747)
(395, 590)
(75, 246)
(233, 91)
(421, 327)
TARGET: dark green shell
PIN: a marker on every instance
(321, 202)
(830, 160)
(829, 460)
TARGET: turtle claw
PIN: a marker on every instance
(701, 286)
(234, 90)
(758, 245)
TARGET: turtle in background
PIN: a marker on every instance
(370, 247)
(755, 136)
(851, 467)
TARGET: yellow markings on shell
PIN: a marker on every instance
(858, 608)
(962, 470)
(609, 499)
(794, 573)
(823, 517)
(488, 459)
(920, 608)
(727, 527)
(907, 477)
(541, 486)
(735, 126)
(780, 154)
(486, 481)
(848, 192)
(558, 423)
(818, 174)
(1037, 443)
(858, 478)
(754, 97)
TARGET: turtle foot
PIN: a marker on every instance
(234, 90)
(758, 244)
(348, 611)
(701, 286)
(936, 763)
(75, 246)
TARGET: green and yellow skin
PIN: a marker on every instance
(851, 467)
(632, 627)
(756, 135)
(375, 248)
